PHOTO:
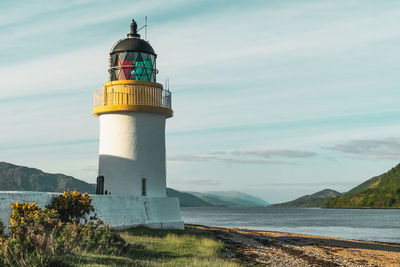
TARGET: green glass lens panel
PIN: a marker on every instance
(133, 66)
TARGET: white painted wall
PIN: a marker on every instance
(132, 147)
(119, 212)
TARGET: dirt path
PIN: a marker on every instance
(284, 249)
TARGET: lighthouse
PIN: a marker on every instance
(132, 109)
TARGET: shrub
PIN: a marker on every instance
(21, 214)
(1, 228)
(42, 237)
(94, 236)
(100, 238)
(33, 236)
(73, 205)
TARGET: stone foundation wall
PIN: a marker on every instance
(120, 212)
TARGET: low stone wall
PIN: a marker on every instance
(120, 212)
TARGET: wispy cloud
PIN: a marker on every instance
(195, 181)
(388, 148)
(89, 168)
(246, 156)
(50, 144)
(211, 158)
(285, 153)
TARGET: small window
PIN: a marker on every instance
(143, 186)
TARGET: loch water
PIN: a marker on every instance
(360, 224)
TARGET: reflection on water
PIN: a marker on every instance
(372, 224)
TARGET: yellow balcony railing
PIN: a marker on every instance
(132, 96)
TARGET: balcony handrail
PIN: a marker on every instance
(138, 95)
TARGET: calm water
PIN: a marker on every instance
(376, 225)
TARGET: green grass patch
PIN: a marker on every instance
(155, 247)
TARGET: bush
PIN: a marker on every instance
(33, 236)
(1, 228)
(41, 237)
(73, 206)
(94, 237)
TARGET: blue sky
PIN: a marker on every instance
(273, 98)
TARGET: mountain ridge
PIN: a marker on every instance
(21, 178)
(230, 198)
(382, 191)
(314, 200)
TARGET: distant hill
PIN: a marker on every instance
(315, 200)
(230, 198)
(20, 178)
(382, 191)
(186, 199)
(362, 187)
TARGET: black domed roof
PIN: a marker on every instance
(133, 45)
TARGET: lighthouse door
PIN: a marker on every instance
(144, 193)
(100, 185)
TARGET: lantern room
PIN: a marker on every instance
(132, 58)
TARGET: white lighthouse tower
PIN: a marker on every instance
(132, 108)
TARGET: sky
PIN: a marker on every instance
(273, 98)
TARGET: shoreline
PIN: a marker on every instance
(251, 247)
(339, 208)
(358, 208)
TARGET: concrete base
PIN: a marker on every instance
(120, 212)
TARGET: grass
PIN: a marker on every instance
(154, 247)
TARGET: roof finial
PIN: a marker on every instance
(133, 32)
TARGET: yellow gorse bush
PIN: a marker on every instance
(73, 205)
(22, 212)
(39, 237)
(82, 198)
